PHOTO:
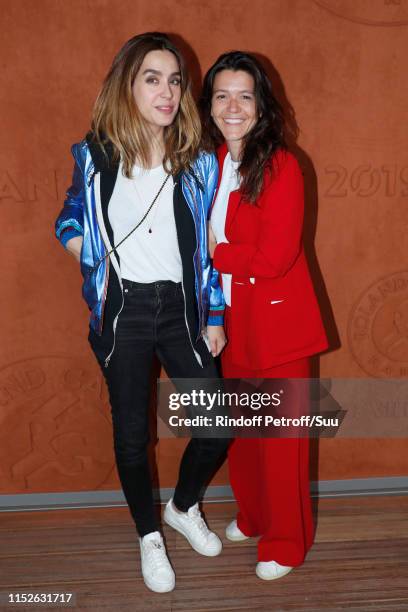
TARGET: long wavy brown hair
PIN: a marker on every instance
(266, 136)
(116, 118)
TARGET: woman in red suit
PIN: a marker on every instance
(273, 320)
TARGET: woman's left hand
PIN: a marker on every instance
(216, 338)
(212, 243)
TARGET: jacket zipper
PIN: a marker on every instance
(96, 185)
(105, 291)
(115, 322)
(197, 355)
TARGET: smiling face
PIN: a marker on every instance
(233, 107)
(157, 89)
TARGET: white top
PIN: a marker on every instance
(230, 181)
(145, 257)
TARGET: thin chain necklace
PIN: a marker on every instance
(152, 204)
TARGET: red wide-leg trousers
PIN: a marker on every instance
(270, 478)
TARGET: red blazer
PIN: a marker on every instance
(274, 319)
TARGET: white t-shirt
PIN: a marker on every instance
(151, 253)
(230, 181)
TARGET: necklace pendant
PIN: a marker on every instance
(150, 230)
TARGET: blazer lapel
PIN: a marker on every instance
(233, 205)
(235, 196)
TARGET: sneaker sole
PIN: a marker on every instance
(201, 552)
(158, 588)
(240, 538)
(274, 577)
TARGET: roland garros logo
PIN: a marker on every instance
(55, 425)
(369, 12)
(378, 327)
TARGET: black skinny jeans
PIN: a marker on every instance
(152, 321)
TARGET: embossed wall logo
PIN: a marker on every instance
(373, 12)
(378, 327)
(367, 180)
(55, 430)
(27, 188)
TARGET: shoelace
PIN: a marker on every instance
(198, 521)
(155, 554)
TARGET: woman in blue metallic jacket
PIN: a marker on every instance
(136, 219)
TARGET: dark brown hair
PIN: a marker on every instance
(266, 136)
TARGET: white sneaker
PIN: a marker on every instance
(156, 569)
(191, 524)
(234, 534)
(271, 570)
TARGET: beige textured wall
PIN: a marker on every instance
(341, 66)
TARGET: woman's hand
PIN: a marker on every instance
(74, 246)
(216, 338)
(212, 243)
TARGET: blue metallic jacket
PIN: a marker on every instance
(85, 214)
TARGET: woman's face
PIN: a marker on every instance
(157, 89)
(233, 106)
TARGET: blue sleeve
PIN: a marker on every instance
(69, 223)
(217, 302)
